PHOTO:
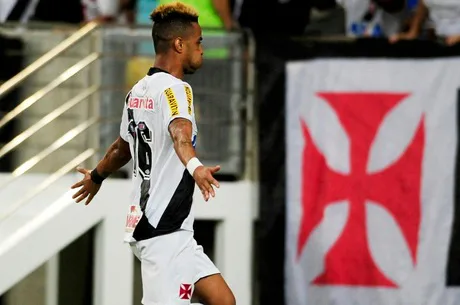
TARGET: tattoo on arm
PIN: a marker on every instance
(181, 134)
(116, 157)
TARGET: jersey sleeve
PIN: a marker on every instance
(124, 125)
(177, 102)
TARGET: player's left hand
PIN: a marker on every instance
(87, 187)
(205, 180)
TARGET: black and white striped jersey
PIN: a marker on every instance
(162, 187)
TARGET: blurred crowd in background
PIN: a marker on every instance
(395, 19)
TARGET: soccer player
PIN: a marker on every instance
(158, 131)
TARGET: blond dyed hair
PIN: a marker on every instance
(173, 10)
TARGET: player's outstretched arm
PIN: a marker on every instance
(181, 134)
(116, 156)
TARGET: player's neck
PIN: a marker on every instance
(173, 67)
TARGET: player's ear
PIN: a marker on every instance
(179, 45)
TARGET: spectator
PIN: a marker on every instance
(119, 11)
(445, 15)
(224, 8)
(375, 18)
(327, 18)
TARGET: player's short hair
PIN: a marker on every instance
(169, 22)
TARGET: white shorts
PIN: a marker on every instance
(171, 265)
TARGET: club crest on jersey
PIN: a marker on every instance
(140, 103)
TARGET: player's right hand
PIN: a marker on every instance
(87, 187)
(203, 176)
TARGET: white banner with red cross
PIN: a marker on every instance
(371, 157)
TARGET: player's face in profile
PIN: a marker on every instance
(194, 50)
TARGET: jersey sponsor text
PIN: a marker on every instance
(140, 103)
(172, 102)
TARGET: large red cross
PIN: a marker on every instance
(397, 188)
